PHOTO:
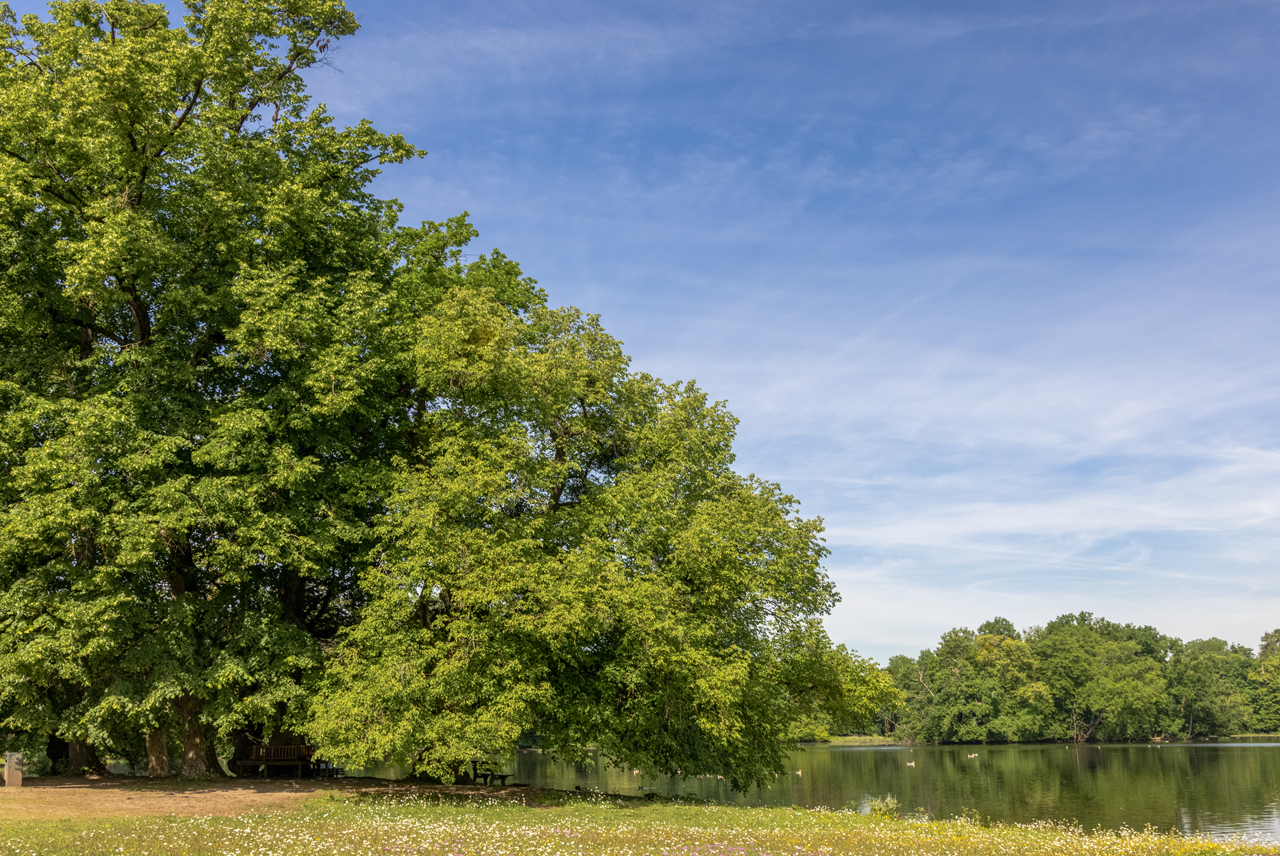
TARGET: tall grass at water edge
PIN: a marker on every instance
(411, 825)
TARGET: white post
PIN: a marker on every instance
(13, 769)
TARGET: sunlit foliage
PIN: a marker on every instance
(273, 464)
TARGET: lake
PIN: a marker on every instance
(1213, 788)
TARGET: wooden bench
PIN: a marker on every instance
(266, 757)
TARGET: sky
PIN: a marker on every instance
(993, 287)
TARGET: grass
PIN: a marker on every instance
(413, 825)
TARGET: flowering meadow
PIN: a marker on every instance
(413, 826)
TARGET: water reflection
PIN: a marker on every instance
(1219, 789)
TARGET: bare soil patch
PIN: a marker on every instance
(65, 798)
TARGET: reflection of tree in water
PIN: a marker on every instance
(1181, 787)
(1191, 788)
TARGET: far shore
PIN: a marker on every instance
(853, 740)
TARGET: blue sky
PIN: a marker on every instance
(993, 287)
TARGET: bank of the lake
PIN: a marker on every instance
(854, 740)
(424, 823)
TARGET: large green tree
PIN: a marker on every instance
(568, 549)
(270, 460)
(192, 275)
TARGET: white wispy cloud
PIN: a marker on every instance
(995, 294)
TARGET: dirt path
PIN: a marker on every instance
(57, 797)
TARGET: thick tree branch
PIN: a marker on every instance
(140, 314)
(98, 331)
(182, 117)
(257, 102)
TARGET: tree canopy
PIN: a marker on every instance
(272, 462)
(1082, 678)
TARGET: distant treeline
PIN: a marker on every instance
(1081, 678)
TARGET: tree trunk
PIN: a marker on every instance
(243, 743)
(58, 754)
(82, 758)
(157, 753)
(198, 755)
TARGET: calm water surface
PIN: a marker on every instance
(1215, 788)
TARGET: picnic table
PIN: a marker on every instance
(488, 775)
(326, 770)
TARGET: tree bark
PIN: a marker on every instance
(57, 751)
(243, 742)
(157, 753)
(198, 755)
(82, 758)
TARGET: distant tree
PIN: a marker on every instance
(1264, 684)
(1269, 645)
(959, 704)
(872, 692)
(999, 627)
(901, 671)
(1080, 678)
(1019, 699)
(1100, 688)
(972, 688)
(1207, 682)
(1151, 642)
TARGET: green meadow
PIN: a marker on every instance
(593, 824)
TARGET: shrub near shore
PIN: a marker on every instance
(597, 824)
